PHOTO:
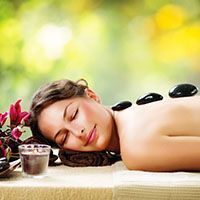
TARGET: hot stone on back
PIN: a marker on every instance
(148, 98)
(121, 105)
(183, 90)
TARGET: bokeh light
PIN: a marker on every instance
(123, 48)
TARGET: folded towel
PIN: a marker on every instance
(83, 159)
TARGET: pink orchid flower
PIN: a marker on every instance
(16, 132)
(3, 118)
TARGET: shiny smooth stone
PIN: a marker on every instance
(121, 105)
(4, 164)
(183, 90)
(148, 98)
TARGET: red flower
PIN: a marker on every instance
(16, 116)
(14, 112)
(16, 132)
(3, 118)
(10, 134)
(24, 117)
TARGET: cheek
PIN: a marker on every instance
(93, 112)
(89, 112)
(72, 143)
(87, 108)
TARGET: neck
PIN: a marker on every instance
(114, 144)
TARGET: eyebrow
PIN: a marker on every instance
(64, 115)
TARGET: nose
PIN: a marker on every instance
(77, 131)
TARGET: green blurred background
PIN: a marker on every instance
(124, 49)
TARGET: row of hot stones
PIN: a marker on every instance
(181, 90)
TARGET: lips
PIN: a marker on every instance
(91, 136)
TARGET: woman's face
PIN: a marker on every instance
(80, 123)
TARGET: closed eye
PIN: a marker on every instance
(74, 115)
(64, 139)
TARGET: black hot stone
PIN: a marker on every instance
(4, 164)
(121, 105)
(148, 98)
(183, 90)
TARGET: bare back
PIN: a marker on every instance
(148, 129)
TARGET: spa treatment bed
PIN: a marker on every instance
(109, 182)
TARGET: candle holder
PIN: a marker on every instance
(34, 159)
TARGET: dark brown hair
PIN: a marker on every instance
(50, 93)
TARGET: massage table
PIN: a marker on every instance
(108, 182)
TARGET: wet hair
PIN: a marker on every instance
(49, 94)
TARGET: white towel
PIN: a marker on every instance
(141, 185)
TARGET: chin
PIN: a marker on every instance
(102, 146)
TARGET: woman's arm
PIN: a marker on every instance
(166, 153)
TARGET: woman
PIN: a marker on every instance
(160, 136)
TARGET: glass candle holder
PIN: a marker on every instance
(34, 159)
